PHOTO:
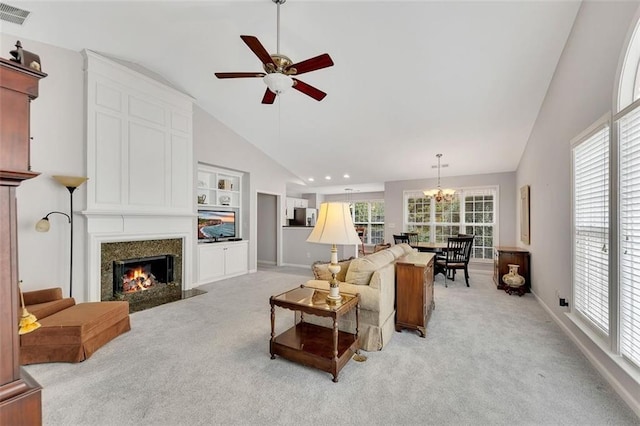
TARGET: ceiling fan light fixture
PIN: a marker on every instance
(278, 83)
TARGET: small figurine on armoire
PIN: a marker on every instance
(24, 57)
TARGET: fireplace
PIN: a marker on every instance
(140, 274)
(146, 273)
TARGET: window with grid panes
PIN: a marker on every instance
(447, 219)
(629, 238)
(370, 215)
(591, 228)
(435, 221)
(419, 215)
(479, 221)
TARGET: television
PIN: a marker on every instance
(216, 225)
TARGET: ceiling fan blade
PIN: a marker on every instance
(268, 97)
(257, 48)
(239, 74)
(312, 64)
(308, 90)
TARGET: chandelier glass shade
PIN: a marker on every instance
(277, 82)
(438, 193)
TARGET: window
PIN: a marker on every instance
(370, 215)
(436, 222)
(629, 238)
(478, 216)
(591, 227)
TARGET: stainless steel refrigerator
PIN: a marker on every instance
(304, 217)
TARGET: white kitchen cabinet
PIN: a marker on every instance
(293, 203)
(217, 261)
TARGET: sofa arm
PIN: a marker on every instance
(42, 296)
(369, 297)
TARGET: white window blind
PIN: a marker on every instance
(591, 228)
(629, 256)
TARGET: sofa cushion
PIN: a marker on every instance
(397, 251)
(321, 270)
(42, 310)
(406, 247)
(361, 269)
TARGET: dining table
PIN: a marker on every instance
(430, 247)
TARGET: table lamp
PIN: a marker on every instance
(334, 226)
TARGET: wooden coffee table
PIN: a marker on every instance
(327, 349)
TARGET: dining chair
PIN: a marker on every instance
(362, 233)
(399, 239)
(413, 238)
(456, 257)
(381, 246)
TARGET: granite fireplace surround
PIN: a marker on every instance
(154, 296)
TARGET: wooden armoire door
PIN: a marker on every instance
(20, 399)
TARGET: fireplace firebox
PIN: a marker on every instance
(140, 274)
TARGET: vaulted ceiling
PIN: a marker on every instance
(411, 78)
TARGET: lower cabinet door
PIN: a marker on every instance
(210, 262)
(236, 259)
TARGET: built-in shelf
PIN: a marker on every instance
(218, 188)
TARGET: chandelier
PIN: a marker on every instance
(440, 194)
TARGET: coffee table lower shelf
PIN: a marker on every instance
(313, 346)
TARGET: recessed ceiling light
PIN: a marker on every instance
(311, 179)
(327, 177)
(346, 176)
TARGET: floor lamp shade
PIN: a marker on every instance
(334, 226)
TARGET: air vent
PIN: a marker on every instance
(13, 14)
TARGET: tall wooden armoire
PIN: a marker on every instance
(20, 400)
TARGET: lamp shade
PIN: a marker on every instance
(70, 181)
(278, 82)
(43, 225)
(334, 226)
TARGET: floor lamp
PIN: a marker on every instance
(71, 183)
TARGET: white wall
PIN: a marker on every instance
(508, 194)
(581, 91)
(57, 128)
(216, 144)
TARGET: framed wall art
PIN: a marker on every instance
(525, 227)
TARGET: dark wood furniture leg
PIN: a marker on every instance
(273, 334)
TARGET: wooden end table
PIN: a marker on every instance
(326, 349)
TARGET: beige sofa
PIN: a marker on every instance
(373, 277)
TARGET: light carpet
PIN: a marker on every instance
(489, 359)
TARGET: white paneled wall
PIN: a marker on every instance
(139, 162)
(139, 142)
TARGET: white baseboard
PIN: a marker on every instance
(626, 396)
(296, 265)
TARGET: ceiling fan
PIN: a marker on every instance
(279, 69)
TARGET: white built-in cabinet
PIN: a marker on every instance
(221, 189)
(293, 203)
(222, 260)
